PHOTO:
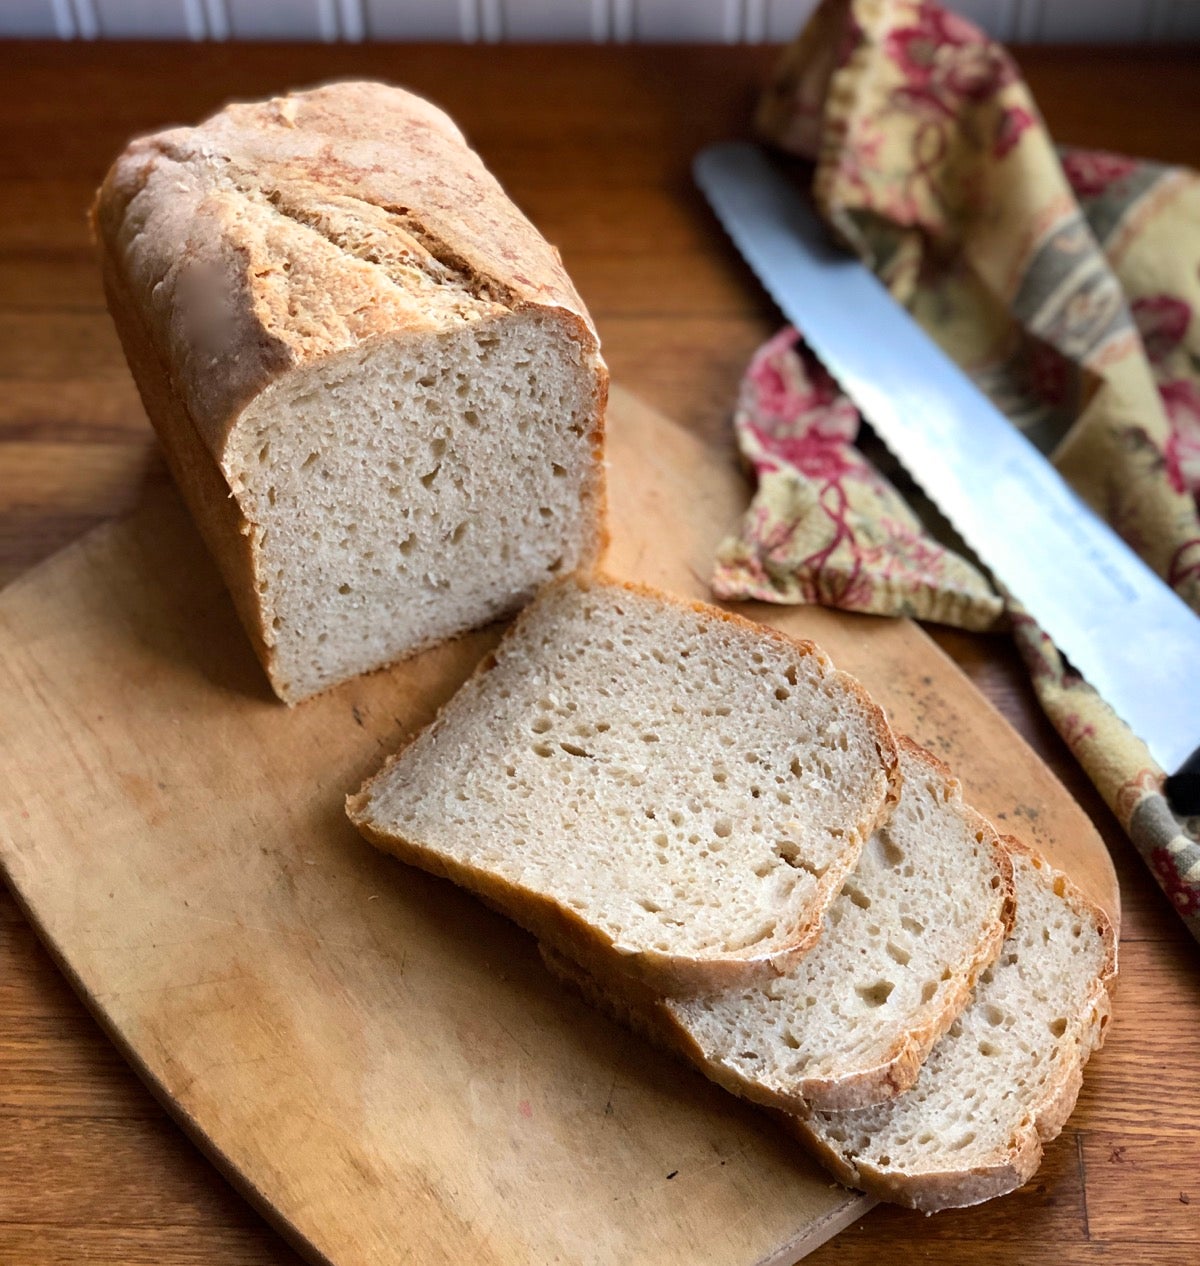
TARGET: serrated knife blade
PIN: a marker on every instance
(1129, 635)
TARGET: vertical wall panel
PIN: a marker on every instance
(64, 17)
(1027, 20)
(702, 21)
(1159, 15)
(548, 19)
(351, 19)
(150, 19)
(413, 20)
(216, 18)
(997, 17)
(29, 19)
(786, 17)
(87, 26)
(1052, 21)
(754, 21)
(1182, 21)
(1100, 21)
(282, 19)
(489, 15)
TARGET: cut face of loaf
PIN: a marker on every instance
(375, 385)
(645, 783)
(851, 1022)
(1005, 1078)
(409, 491)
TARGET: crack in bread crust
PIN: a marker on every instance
(274, 272)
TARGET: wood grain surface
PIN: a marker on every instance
(377, 1060)
(595, 145)
(381, 1063)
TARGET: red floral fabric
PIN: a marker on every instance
(1065, 282)
(826, 526)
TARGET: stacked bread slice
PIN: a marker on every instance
(716, 838)
(851, 1022)
(652, 787)
(1004, 1079)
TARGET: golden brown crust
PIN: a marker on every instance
(280, 232)
(574, 936)
(283, 233)
(1016, 1163)
(932, 1191)
(196, 474)
(895, 1073)
(563, 929)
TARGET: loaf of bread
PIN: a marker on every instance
(375, 385)
(851, 1023)
(1004, 1080)
(645, 784)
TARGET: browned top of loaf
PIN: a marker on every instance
(279, 232)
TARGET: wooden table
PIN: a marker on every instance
(594, 143)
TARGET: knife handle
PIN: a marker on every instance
(1182, 788)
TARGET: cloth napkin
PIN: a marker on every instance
(1065, 282)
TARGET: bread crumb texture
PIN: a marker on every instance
(388, 363)
(927, 907)
(688, 784)
(1005, 1077)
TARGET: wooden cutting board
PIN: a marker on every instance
(380, 1063)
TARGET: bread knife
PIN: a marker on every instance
(1130, 636)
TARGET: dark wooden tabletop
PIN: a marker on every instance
(594, 143)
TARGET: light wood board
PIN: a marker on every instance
(379, 1062)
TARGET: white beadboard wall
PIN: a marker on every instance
(713, 21)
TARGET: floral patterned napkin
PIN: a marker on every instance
(1065, 282)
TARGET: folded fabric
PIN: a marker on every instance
(826, 526)
(1064, 282)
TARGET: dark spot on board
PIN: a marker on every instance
(672, 1174)
(356, 714)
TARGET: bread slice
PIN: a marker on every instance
(1005, 1078)
(851, 1022)
(647, 782)
(375, 385)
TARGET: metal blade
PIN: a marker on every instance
(1129, 635)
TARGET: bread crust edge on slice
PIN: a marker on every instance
(575, 936)
(1016, 1164)
(898, 1071)
(893, 1074)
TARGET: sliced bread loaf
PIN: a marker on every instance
(647, 783)
(375, 385)
(851, 1022)
(1004, 1079)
